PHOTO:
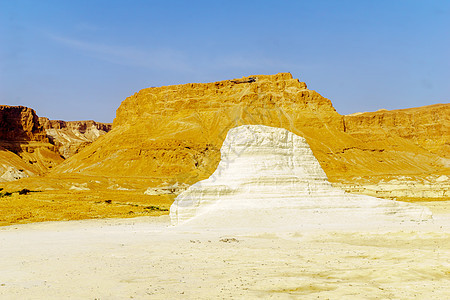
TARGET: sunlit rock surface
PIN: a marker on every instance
(268, 177)
(72, 136)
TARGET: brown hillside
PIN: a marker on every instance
(25, 149)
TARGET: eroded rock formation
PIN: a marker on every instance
(174, 133)
(25, 149)
(169, 137)
(268, 177)
(427, 127)
(72, 136)
(20, 123)
(30, 145)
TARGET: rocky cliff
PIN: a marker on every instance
(427, 127)
(175, 132)
(30, 145)
(165, 139)
(25, 149)
(20, 123)
(72, 136)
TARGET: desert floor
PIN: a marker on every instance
(146, 258)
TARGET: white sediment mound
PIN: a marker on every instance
(269, 178)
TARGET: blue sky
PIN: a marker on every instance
(78, 60)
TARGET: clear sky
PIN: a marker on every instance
(78, 60)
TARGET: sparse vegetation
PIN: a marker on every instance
(53, 205)
(24, 192)
(21, 192)
(152, 207)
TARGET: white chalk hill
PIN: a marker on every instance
(269, 178)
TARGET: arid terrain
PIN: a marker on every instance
(124, 177)
(166, 138)
(143, 258)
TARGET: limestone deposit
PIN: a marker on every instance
(268, 177)
(432, 187)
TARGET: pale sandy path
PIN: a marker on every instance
(143, 259)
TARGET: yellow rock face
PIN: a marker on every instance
(174, 133)
(428, 127)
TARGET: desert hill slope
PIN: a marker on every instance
(31, 146)
(427, 126)
(175, 132)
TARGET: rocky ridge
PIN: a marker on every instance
(173, 134)
(427, 127)
(167, 138)
(72, 136)
(31, 146)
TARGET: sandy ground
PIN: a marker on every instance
(143, 258)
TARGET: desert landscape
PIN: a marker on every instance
(271, 193)
(224, 150)
(165, 139)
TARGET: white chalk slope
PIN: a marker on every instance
(268, 177)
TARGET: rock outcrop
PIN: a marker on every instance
(30, 145)
(72, 136)
(20, 123)
(174, 133)
(268, 177)
(432, 187)
(25, 149)
(427, 127)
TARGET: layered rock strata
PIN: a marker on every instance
(72, 136)
(431, 187)
(268, 177)
(427, 127)
(25, 149)
(20, 123)
(30, 145)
